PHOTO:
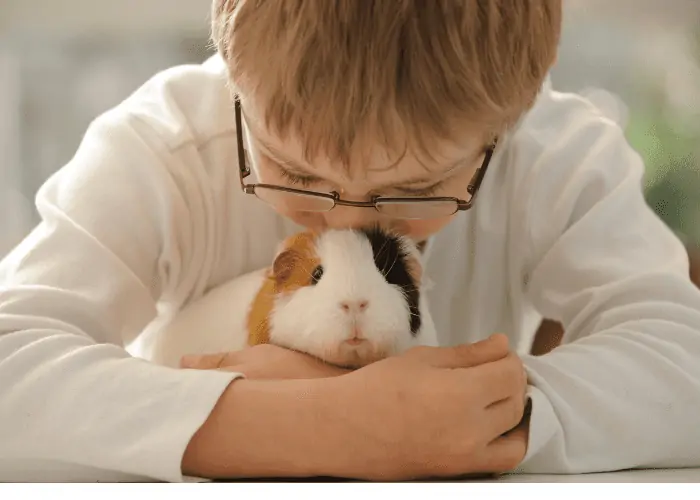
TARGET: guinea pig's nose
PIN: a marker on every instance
(354, 305)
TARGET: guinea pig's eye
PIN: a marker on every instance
(316, 275)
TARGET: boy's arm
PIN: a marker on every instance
(623, 391)
(265, 429)
(73, 403)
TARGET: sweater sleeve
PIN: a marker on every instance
(623, 389)
(74, 405)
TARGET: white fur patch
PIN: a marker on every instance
(313, 320)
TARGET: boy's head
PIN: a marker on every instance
(363, 97)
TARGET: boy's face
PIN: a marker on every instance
(280, 162)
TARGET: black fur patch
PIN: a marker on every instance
(390, 259)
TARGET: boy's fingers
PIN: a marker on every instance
(499, 380)
(468, 355)
(206, 361)
(504, 416)
(503, 454)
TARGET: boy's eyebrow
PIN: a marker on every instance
(283, 159)
(451, 169)
(296, 167)
(289, 163)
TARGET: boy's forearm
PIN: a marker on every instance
(266, 429)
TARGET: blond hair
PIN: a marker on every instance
(405, 72)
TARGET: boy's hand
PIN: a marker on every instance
(430, 412)
(265, 361)
(434, 412)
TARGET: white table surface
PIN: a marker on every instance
(633, 476)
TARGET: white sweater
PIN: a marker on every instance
(150, 211)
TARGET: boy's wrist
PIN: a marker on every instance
(270, 428)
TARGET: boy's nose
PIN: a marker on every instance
(343, 217)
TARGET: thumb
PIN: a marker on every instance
(204, 361)
(467, 355)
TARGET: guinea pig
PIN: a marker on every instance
(348, 297)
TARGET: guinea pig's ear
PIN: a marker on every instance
(284, 264)
(295, 261)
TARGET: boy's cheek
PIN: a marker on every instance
(420, 230)
(309, 220)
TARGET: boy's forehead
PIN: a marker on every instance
(371, 160)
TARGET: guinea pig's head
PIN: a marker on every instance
(349, 297)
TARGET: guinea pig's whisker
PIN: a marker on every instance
(391, 267)
(407, 290)
(383, 247)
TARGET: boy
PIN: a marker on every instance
(445, 99)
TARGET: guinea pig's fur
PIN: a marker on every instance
(321, 290)
(349, 297)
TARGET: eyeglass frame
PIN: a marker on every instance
(462, 205)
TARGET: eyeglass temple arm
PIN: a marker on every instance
(242, 163)
(478, 177)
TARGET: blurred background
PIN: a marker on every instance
(63, 62)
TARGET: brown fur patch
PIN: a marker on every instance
(414, 268)
(258, 316)
(291, 270)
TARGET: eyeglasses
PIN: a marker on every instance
(300, 200)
